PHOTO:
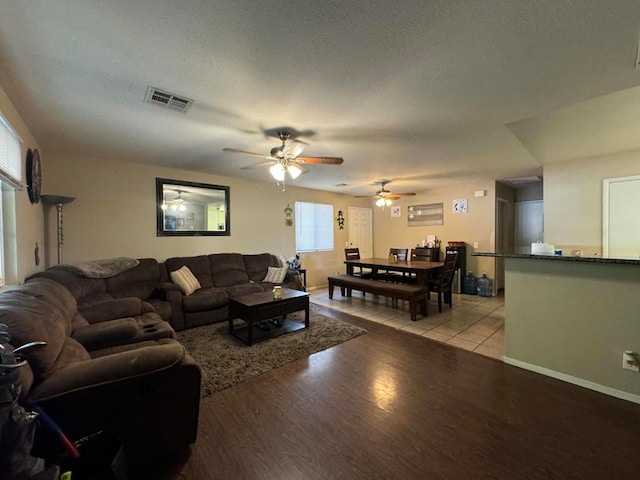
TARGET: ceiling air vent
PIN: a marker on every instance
(168, 100)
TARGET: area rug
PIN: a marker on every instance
(226, 361)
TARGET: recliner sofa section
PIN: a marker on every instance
(221, 277)
(145, 392)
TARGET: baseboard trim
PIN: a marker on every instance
(575, 380)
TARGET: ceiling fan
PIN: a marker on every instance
(384, 196)
(176, 203)
(285, 158)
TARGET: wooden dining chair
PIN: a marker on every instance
(398, 277)
(354, 254)
(442, 283)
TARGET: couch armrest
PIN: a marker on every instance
(167, 287)
(105, 332)
(174, 297)
(114, 308)
(118, 367)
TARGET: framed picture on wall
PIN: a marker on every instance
(396, 211)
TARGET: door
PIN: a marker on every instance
(529, 222)
(360, 225)
(504, 237)
(620, 217)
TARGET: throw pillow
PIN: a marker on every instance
(185, 280)
(275, 275)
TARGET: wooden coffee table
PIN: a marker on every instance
(257, 307)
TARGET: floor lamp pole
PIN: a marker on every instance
(58, 201)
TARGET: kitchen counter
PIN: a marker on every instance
(562, 258)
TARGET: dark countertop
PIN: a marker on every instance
(561, 258)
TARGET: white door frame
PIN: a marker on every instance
(606, 192)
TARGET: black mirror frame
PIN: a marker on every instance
(162, 232)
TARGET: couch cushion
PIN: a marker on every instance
(80, 287)
(205, 299)
(228, 269)
(185, 280)
(114, 308)
(256, 265)
(72, 352)
(199, 266)
(139, 281)
(32, 319)
(244, 289)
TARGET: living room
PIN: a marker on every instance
(114, 211)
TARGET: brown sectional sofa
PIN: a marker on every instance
(221, 275)
(111, 360)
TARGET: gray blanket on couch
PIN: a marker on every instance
(106, 268)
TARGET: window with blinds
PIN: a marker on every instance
(314, 227)
(10, 164)
(10, 178)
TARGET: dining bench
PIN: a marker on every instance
(416, 295)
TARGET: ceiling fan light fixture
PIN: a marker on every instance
(294, 170)
(380, 202)
(277, 171)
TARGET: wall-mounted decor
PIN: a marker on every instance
(396, 211)
(340, 220)
(288, 212)
(459, 205)
(34, 175)
(430, 214)
(192, 209)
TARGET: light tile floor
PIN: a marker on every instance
(474, 323)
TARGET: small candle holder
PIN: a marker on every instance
(277, 292)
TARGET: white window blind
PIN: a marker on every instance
(10, 158)
(314, 227)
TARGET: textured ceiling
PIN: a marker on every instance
(427, 93)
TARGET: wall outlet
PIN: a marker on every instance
(475, 244)
(630, 361)
(346, 244)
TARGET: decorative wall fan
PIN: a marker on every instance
(384, 196)
(285, 158)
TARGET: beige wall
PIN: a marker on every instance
(114, 214)
(573, 199)
(477, 225)
(26, 229)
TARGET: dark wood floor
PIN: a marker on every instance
(392, 405)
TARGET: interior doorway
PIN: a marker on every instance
(504, 237)
(360, 226)
(620, 228)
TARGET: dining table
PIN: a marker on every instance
(419, 268)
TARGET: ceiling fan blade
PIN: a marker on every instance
(408, 194)
(258, 165)
(321, 160)
(294, 149)
(252, 154)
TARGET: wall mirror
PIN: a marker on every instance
(191, 209)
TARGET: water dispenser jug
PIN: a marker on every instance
(485, 286)
(470, 284)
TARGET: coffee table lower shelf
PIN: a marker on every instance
(258, 335)
(259, 307)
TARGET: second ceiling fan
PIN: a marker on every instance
(285, 158)
(384, 196)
